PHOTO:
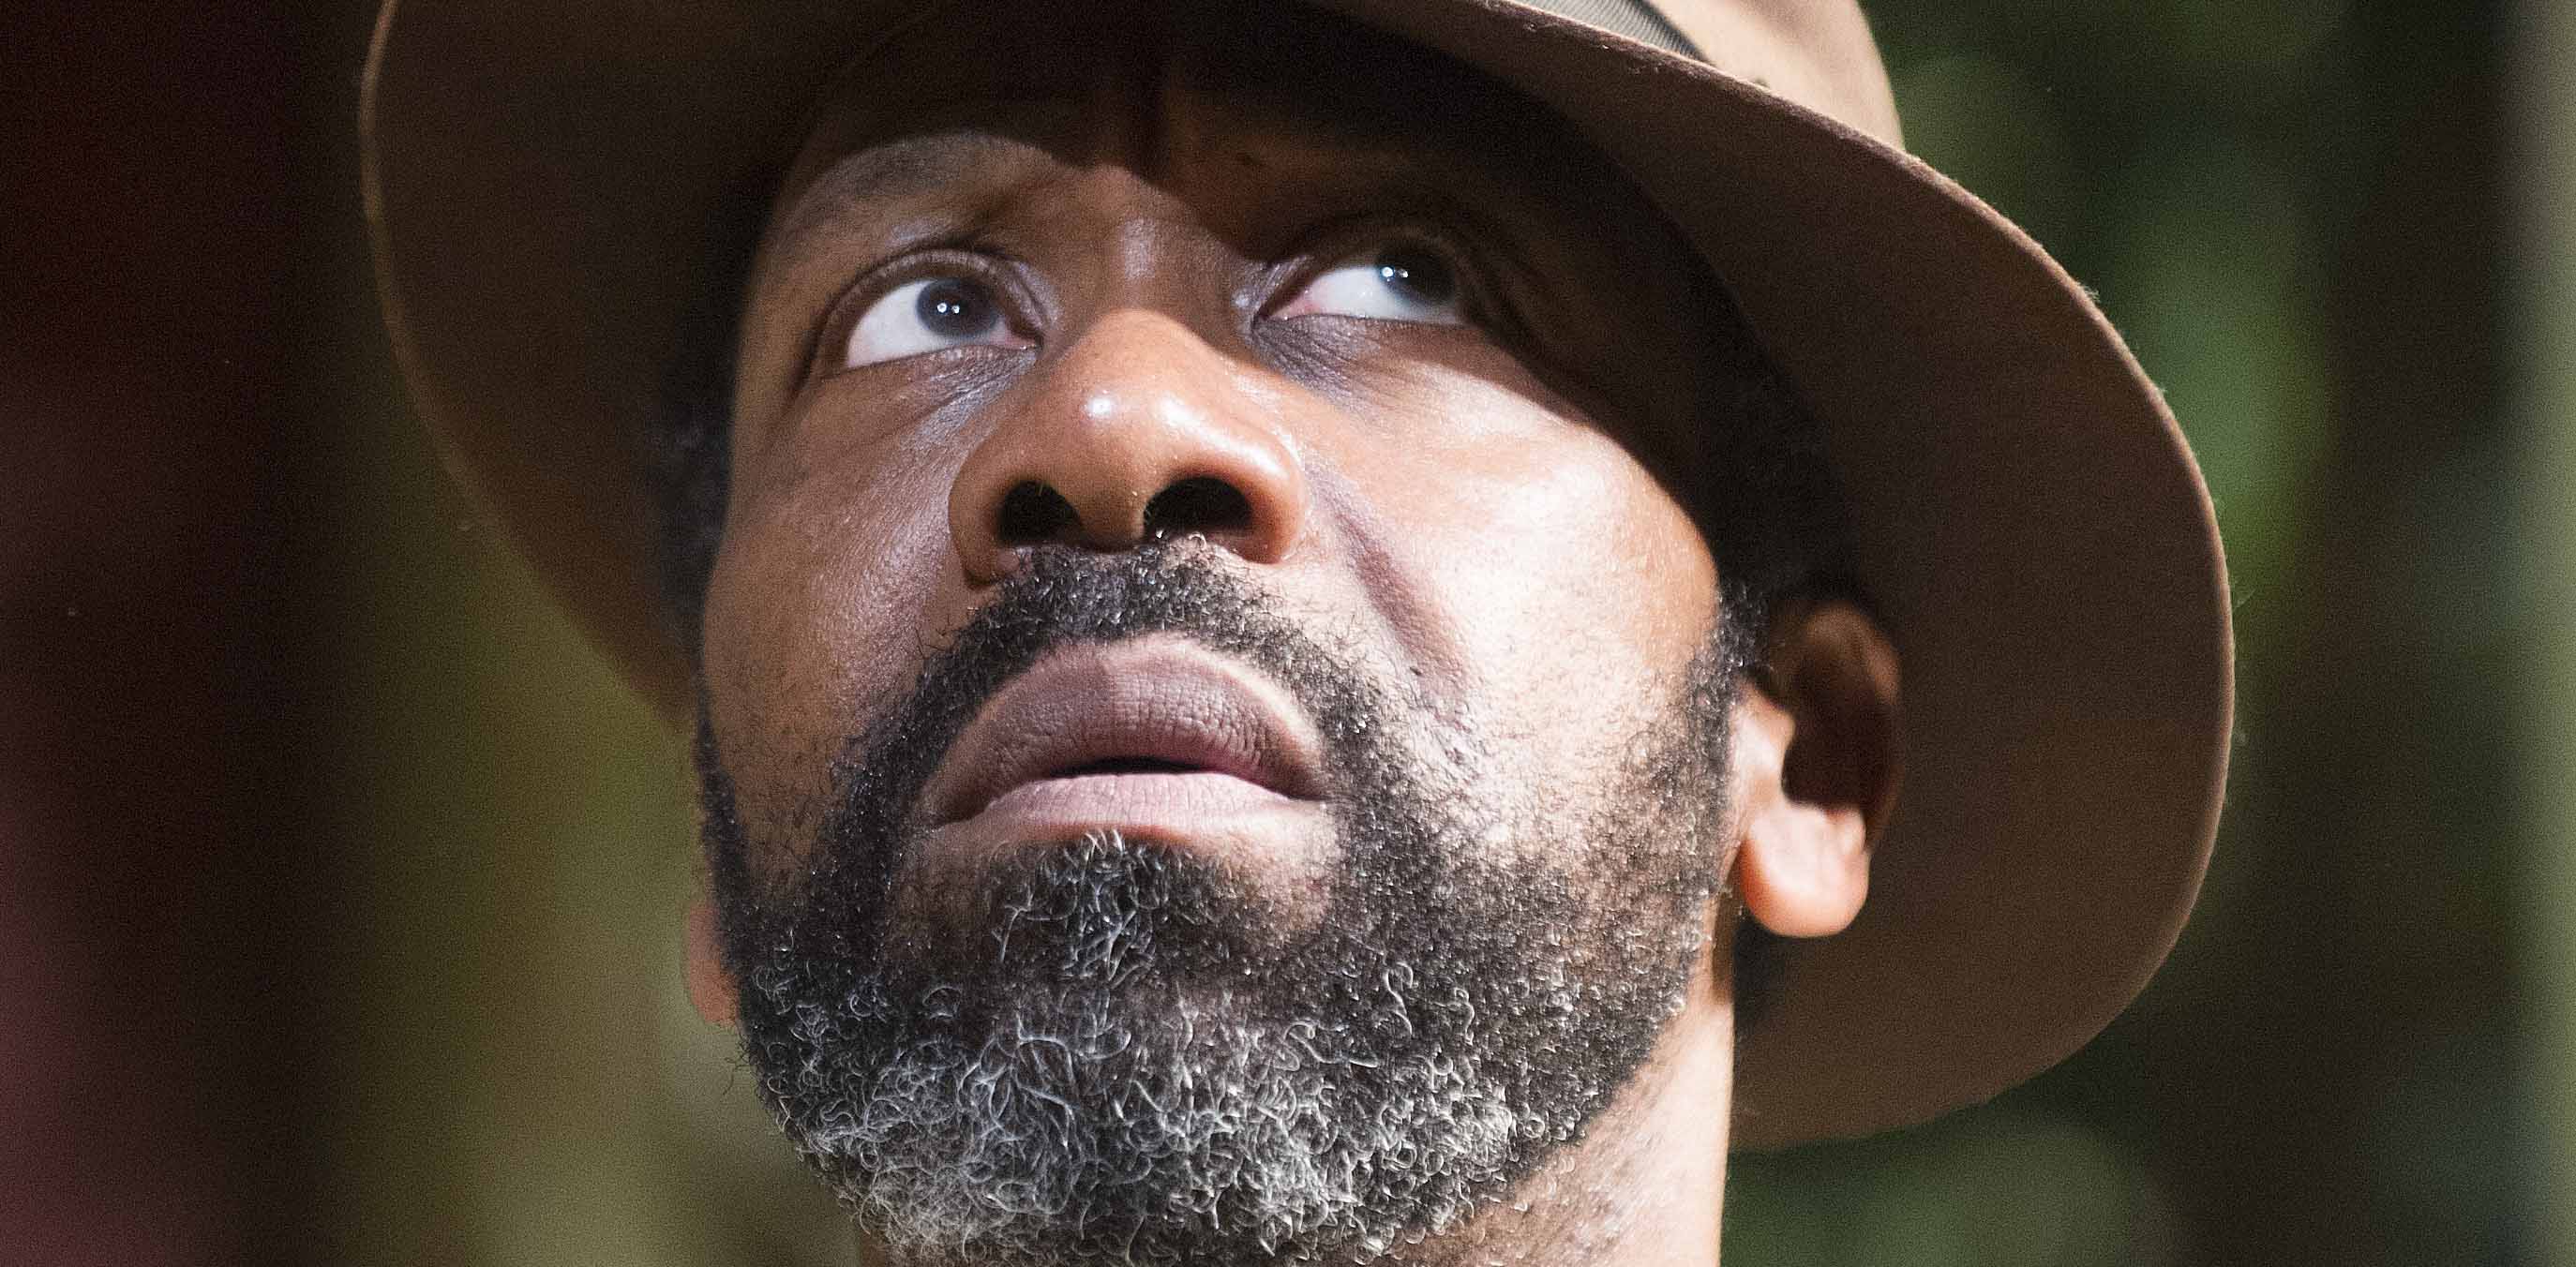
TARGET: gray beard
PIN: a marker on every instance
(1129, 1062)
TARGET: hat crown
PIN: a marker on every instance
(1818, 53)
(2027, 519)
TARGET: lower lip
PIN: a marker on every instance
(1200, 810)
(1113, 797)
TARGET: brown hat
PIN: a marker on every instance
(2029, 523)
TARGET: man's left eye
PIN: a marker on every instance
(1392, 281)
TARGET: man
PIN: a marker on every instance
(1303, 620)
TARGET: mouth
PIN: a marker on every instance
(1157, 735)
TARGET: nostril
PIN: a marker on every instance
(1034, 514)
(1202, 503)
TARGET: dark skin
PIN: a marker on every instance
(1162, 256)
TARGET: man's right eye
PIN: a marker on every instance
(931, 314)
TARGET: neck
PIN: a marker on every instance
(1645, 1186)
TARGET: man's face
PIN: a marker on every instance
(1215, 716)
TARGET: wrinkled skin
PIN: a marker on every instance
(1174, 238)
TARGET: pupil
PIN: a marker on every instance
(1417, 274)
(954, 307)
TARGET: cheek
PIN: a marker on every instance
(812, 620)
(1575, 589)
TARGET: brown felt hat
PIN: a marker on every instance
(2030, 525)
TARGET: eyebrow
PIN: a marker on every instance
(906, 167)
(955, 137)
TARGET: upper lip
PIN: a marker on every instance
(1157, 699)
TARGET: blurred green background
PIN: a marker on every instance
(340, 889)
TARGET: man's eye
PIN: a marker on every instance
(1395, 281)
(927, 316)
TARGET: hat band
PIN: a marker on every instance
(1633, 18)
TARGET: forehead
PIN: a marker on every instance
(1126, 80)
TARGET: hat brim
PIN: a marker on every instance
(2029, 522)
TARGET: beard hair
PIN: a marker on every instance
(1131, 1061)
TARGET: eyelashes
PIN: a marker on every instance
(954, 302)
(924, 303)
(926, 315)
(1401, 278)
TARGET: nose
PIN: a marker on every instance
(1138, 432)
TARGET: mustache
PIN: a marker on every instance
(871, 817)
(1060, 597)
(1065, 597)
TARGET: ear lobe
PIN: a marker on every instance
(1816, 760)
(710, 988)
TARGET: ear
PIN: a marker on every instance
(1817, 753)
(710, 988)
